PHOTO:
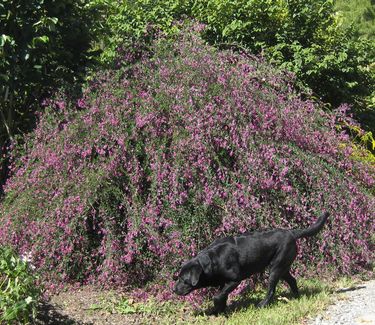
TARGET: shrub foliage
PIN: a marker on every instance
(188, 144)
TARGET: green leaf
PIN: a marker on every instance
(6, 38)
(40, 40)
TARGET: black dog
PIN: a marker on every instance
(227, 261)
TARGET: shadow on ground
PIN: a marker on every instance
(49, 315)
(350, 289)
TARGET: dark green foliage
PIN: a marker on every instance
(43, 45)
(259, 24)
(127, 21)
(336, 67)
(359, 17)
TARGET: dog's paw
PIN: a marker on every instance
(212, 312)
(216, 311)
(219, 305)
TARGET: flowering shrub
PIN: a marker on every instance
(188, 144)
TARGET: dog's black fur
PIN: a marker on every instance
(227, 261)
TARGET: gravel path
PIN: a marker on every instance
(355, 306)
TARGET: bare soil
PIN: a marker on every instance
(78, 307)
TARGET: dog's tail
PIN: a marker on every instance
(313, 229)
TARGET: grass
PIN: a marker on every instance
(315, 296)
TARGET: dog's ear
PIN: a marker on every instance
(205, 261)
(195, 274)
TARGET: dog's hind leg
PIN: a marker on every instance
(272, 283)
(220, 300)
(291, 282)
(279, 268)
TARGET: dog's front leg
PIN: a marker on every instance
(220, 300)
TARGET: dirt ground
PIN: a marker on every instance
(90, 305)
(78, 307)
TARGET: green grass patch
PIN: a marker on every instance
(285, 309)
(315, 296)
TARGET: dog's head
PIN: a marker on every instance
(190, 274)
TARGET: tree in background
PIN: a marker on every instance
(359, 17)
